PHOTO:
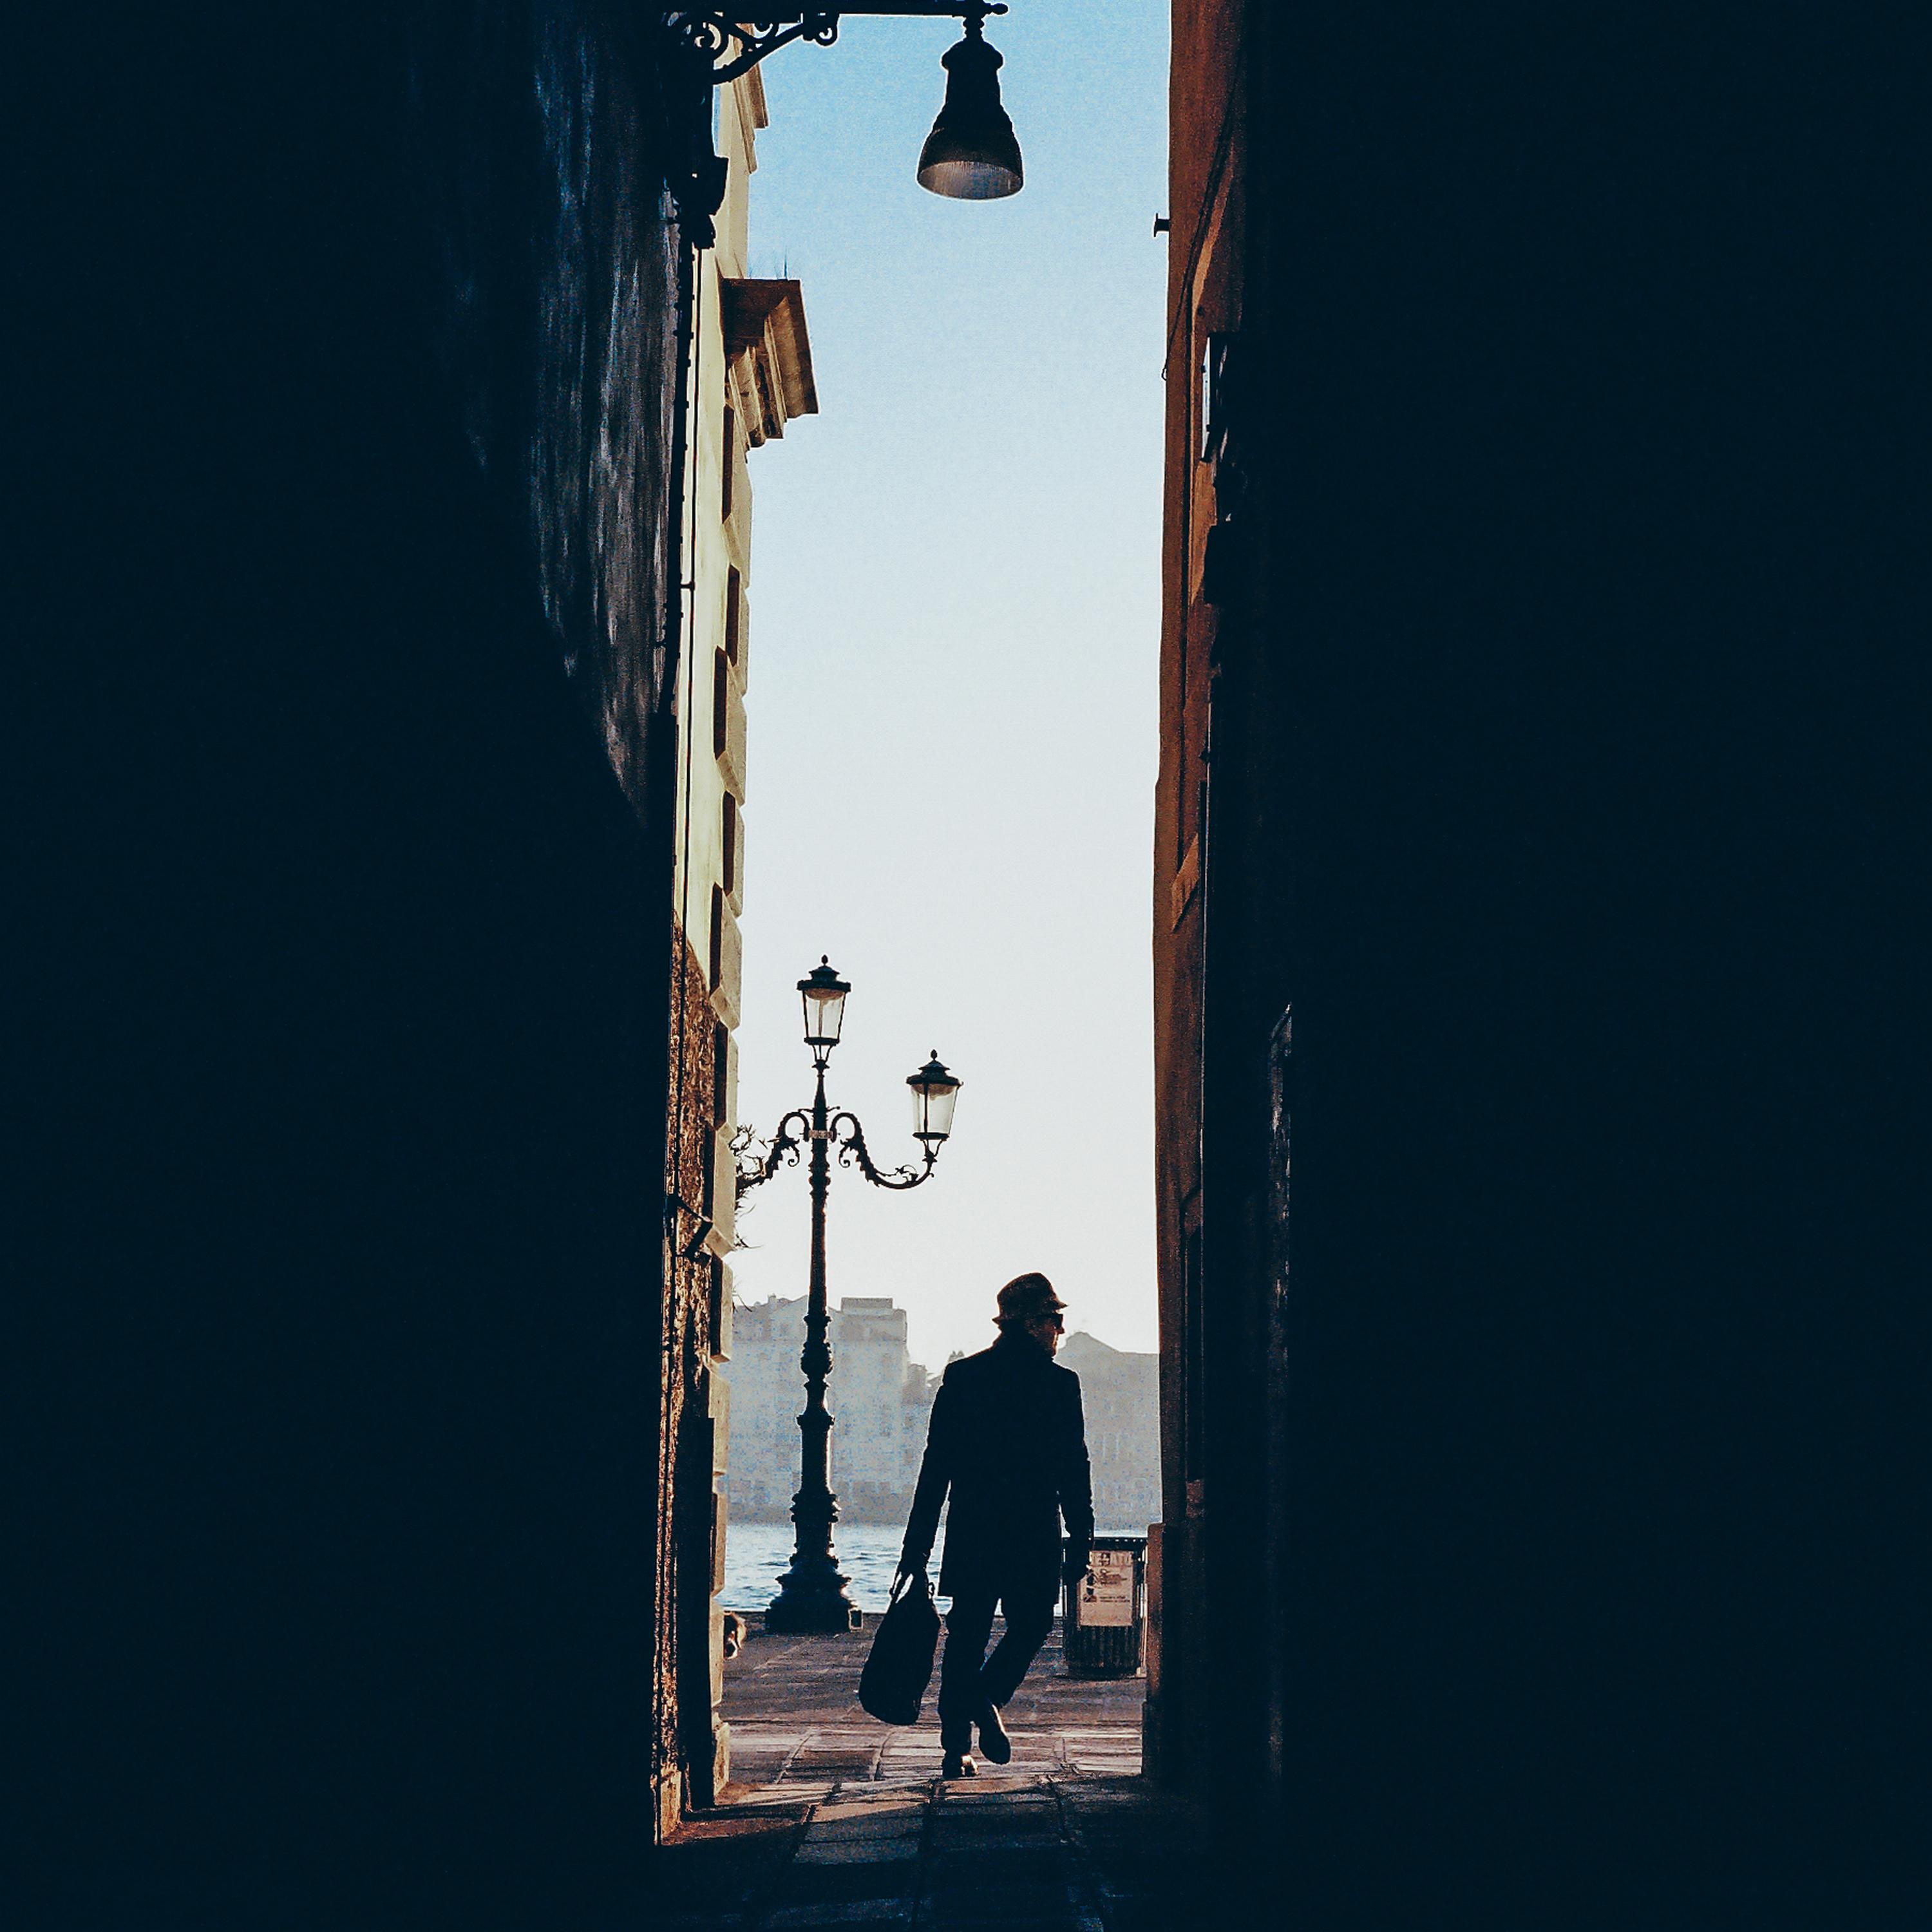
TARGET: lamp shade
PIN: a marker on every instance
(933, 1092)
(972, 154)
(822, 994)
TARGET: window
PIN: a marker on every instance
(730, 464)
(728, 835)
(720, 1287)
(734, 597)
(720, 702)
(1214, 394)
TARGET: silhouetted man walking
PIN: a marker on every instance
(1007, 1437)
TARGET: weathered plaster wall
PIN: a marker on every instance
(1207, 146)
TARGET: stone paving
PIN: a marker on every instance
(832, 1819)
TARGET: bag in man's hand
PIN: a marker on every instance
(893, 1685)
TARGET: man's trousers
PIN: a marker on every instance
(969, 1680)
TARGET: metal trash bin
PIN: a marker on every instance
(1102, 1618)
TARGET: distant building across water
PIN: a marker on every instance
(881, 1398)
(1120, 1392)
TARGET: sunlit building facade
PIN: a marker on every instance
(750, 374)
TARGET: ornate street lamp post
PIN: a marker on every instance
(811, 1593)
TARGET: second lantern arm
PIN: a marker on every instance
(850, 1138)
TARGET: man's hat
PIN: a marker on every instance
(1026, 1297)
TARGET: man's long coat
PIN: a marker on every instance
(1008, 1439)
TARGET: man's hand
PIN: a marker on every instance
(913, 1562)
(1079, 1568)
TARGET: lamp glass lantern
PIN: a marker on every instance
(972, 154)
(933, 1092)
(822, 995)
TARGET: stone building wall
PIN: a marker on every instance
(348, 563)
(691, 1540)
(1541, 549)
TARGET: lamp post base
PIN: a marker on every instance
(811, 1598)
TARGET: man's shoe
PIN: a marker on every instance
(993, 1738)
(959, 1764)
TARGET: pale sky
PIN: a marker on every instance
(954, 600)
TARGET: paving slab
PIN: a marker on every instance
(866, 1851)
(871, 1913)
(893, 1823)
(832, 1819)
(804, 1884)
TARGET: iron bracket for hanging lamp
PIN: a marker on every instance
(731, 43)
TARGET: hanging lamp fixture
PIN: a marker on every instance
(972, 154)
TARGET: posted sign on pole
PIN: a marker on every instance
(1107, 1596)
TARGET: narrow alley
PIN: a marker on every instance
(1326, 615)
(832, 1819)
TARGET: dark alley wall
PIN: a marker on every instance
(338, 615)
(1557, 776)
